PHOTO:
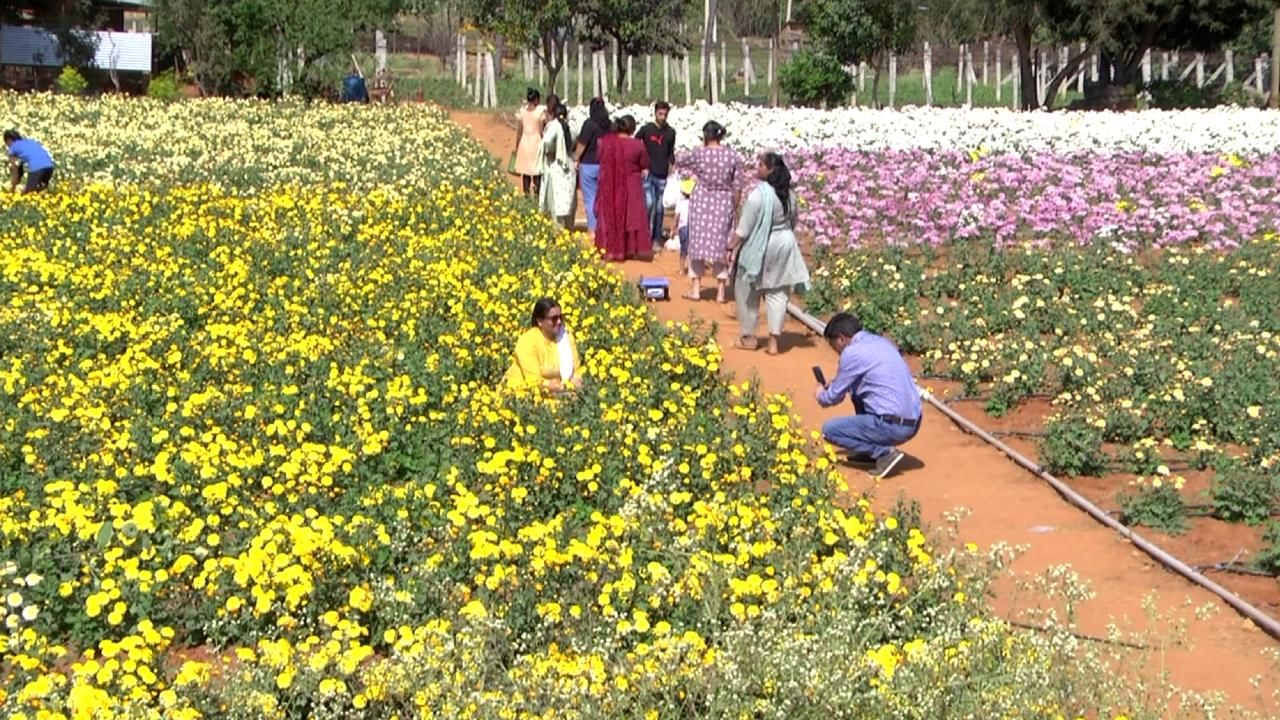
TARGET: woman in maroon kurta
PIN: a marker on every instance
(622, 230)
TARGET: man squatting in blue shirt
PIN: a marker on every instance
(31, 154)
(884, 396)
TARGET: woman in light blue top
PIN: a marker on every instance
(769, 264)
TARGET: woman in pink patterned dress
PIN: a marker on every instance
(711, 208)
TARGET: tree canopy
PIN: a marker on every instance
(267, 46)
(546, 27)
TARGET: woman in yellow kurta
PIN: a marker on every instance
(546, 355)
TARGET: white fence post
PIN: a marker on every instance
(688, 82)
(769, 74)
(713, 79)
(893, 78)
(724, 68)
(1081, 71)
(1230, 64)
(1015, 72)
(986, 57)
(1146, 67)
(928, 74)
(999, 70)
(579, 73)
(630, 75)
(969, 76)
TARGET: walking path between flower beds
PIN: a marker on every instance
(949, 469)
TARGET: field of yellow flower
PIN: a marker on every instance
(254, 461)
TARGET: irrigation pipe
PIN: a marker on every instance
(1267, 623)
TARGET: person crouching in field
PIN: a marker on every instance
(25, 153)
(873, 373)
(546, 356)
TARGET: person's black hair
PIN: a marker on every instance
(712, 131)
(11, 136)
(625, 125)
(553, 102)
(779, 177)
(532, 95)
(597, 111)
(561, 114)
(662, 105)
(841, 325)
(541, 308)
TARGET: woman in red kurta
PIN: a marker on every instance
(622, 230)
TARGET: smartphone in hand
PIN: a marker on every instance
(817, 375)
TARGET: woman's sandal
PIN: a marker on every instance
(743, 346)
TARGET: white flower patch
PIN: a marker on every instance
(750, 128)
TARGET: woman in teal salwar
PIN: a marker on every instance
(769, 265)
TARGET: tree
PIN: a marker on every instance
(545, 26)
(636, 28)
(855, 31)
(268, 45)
(1126, 29)
(815, 79)
(1121, 30)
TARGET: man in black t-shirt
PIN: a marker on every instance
(660, 140)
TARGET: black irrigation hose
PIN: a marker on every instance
(1082, 636)
(1236, 568)
(1264, 621)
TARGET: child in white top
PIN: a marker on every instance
(682, 221)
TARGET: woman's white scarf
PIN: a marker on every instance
(565, 345)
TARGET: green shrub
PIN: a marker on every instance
(1242, 494)
(1072, 446)
(812, 79)
(71, 82)
(164, 86)
(1183, 94)
(1156, 504)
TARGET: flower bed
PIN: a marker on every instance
(1155, 360)
(253, 461)
(1128, 200)
(753, 129)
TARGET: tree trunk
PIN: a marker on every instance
(552, 59)
(875, 86)
(1064, 73)
(619, 65)
(1274, 101)
(1027, 73)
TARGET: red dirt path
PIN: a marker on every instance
(949, 469)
